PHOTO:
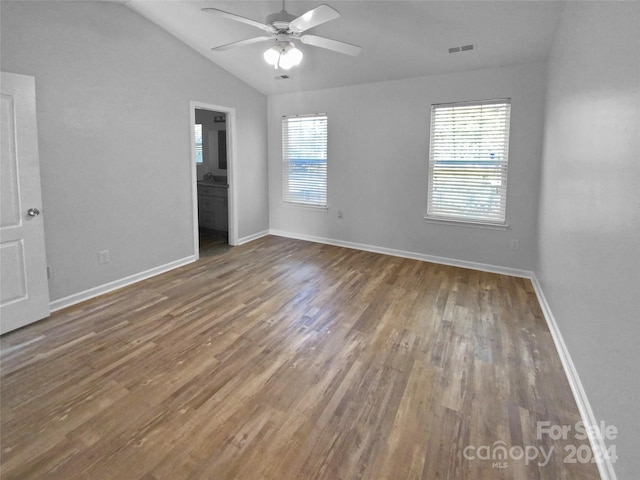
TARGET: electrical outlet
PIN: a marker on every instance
(515, 244)
(103, 257)
(339, 213)
(49, 272)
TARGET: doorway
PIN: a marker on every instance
(212, 136)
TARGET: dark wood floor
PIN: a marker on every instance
(212, 242)
(283, 359)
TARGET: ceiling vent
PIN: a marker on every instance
(282, 77)
(462, 48)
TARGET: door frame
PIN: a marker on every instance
(231, 177)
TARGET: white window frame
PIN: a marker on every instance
(305, 136)
(467, 161)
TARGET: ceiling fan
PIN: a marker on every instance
(283, 28)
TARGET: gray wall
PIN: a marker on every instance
(112, 93)
(589, 227)
(378, 147)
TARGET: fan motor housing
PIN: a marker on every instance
(280, 20)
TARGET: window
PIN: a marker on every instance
(198, 143)
(468, 161)
(304, 159)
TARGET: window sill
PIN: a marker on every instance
(306, 206)
(466, 223)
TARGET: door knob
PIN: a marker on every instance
(33, 212)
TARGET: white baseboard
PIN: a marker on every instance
(514, 272)
(250, 238)
(123, 282)
(605, 467)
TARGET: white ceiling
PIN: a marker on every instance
(400, 39)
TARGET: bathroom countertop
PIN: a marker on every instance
(213, 184)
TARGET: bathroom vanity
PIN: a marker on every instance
(213, 206)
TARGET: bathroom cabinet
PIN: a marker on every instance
(212, 206)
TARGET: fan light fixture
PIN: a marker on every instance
(284, 55)
(284, 28)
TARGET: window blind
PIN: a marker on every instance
(304, 159)
(468, 161)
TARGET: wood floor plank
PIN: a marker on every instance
(283, 359)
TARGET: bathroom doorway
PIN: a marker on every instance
(212, 150)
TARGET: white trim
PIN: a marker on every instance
(605, 467)
(116, 284)
(465, 223)
(308, 206)
(251, 238)
(514, 272)
(194, 181)
(231, 180)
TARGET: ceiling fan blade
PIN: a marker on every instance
(241, 43)
(238, 18)
(313, 18)
(336, 46)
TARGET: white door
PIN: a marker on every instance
(24, 292)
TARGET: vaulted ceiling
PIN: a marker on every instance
(400, 39)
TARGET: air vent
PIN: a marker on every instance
(462, 48)
(282, 77)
